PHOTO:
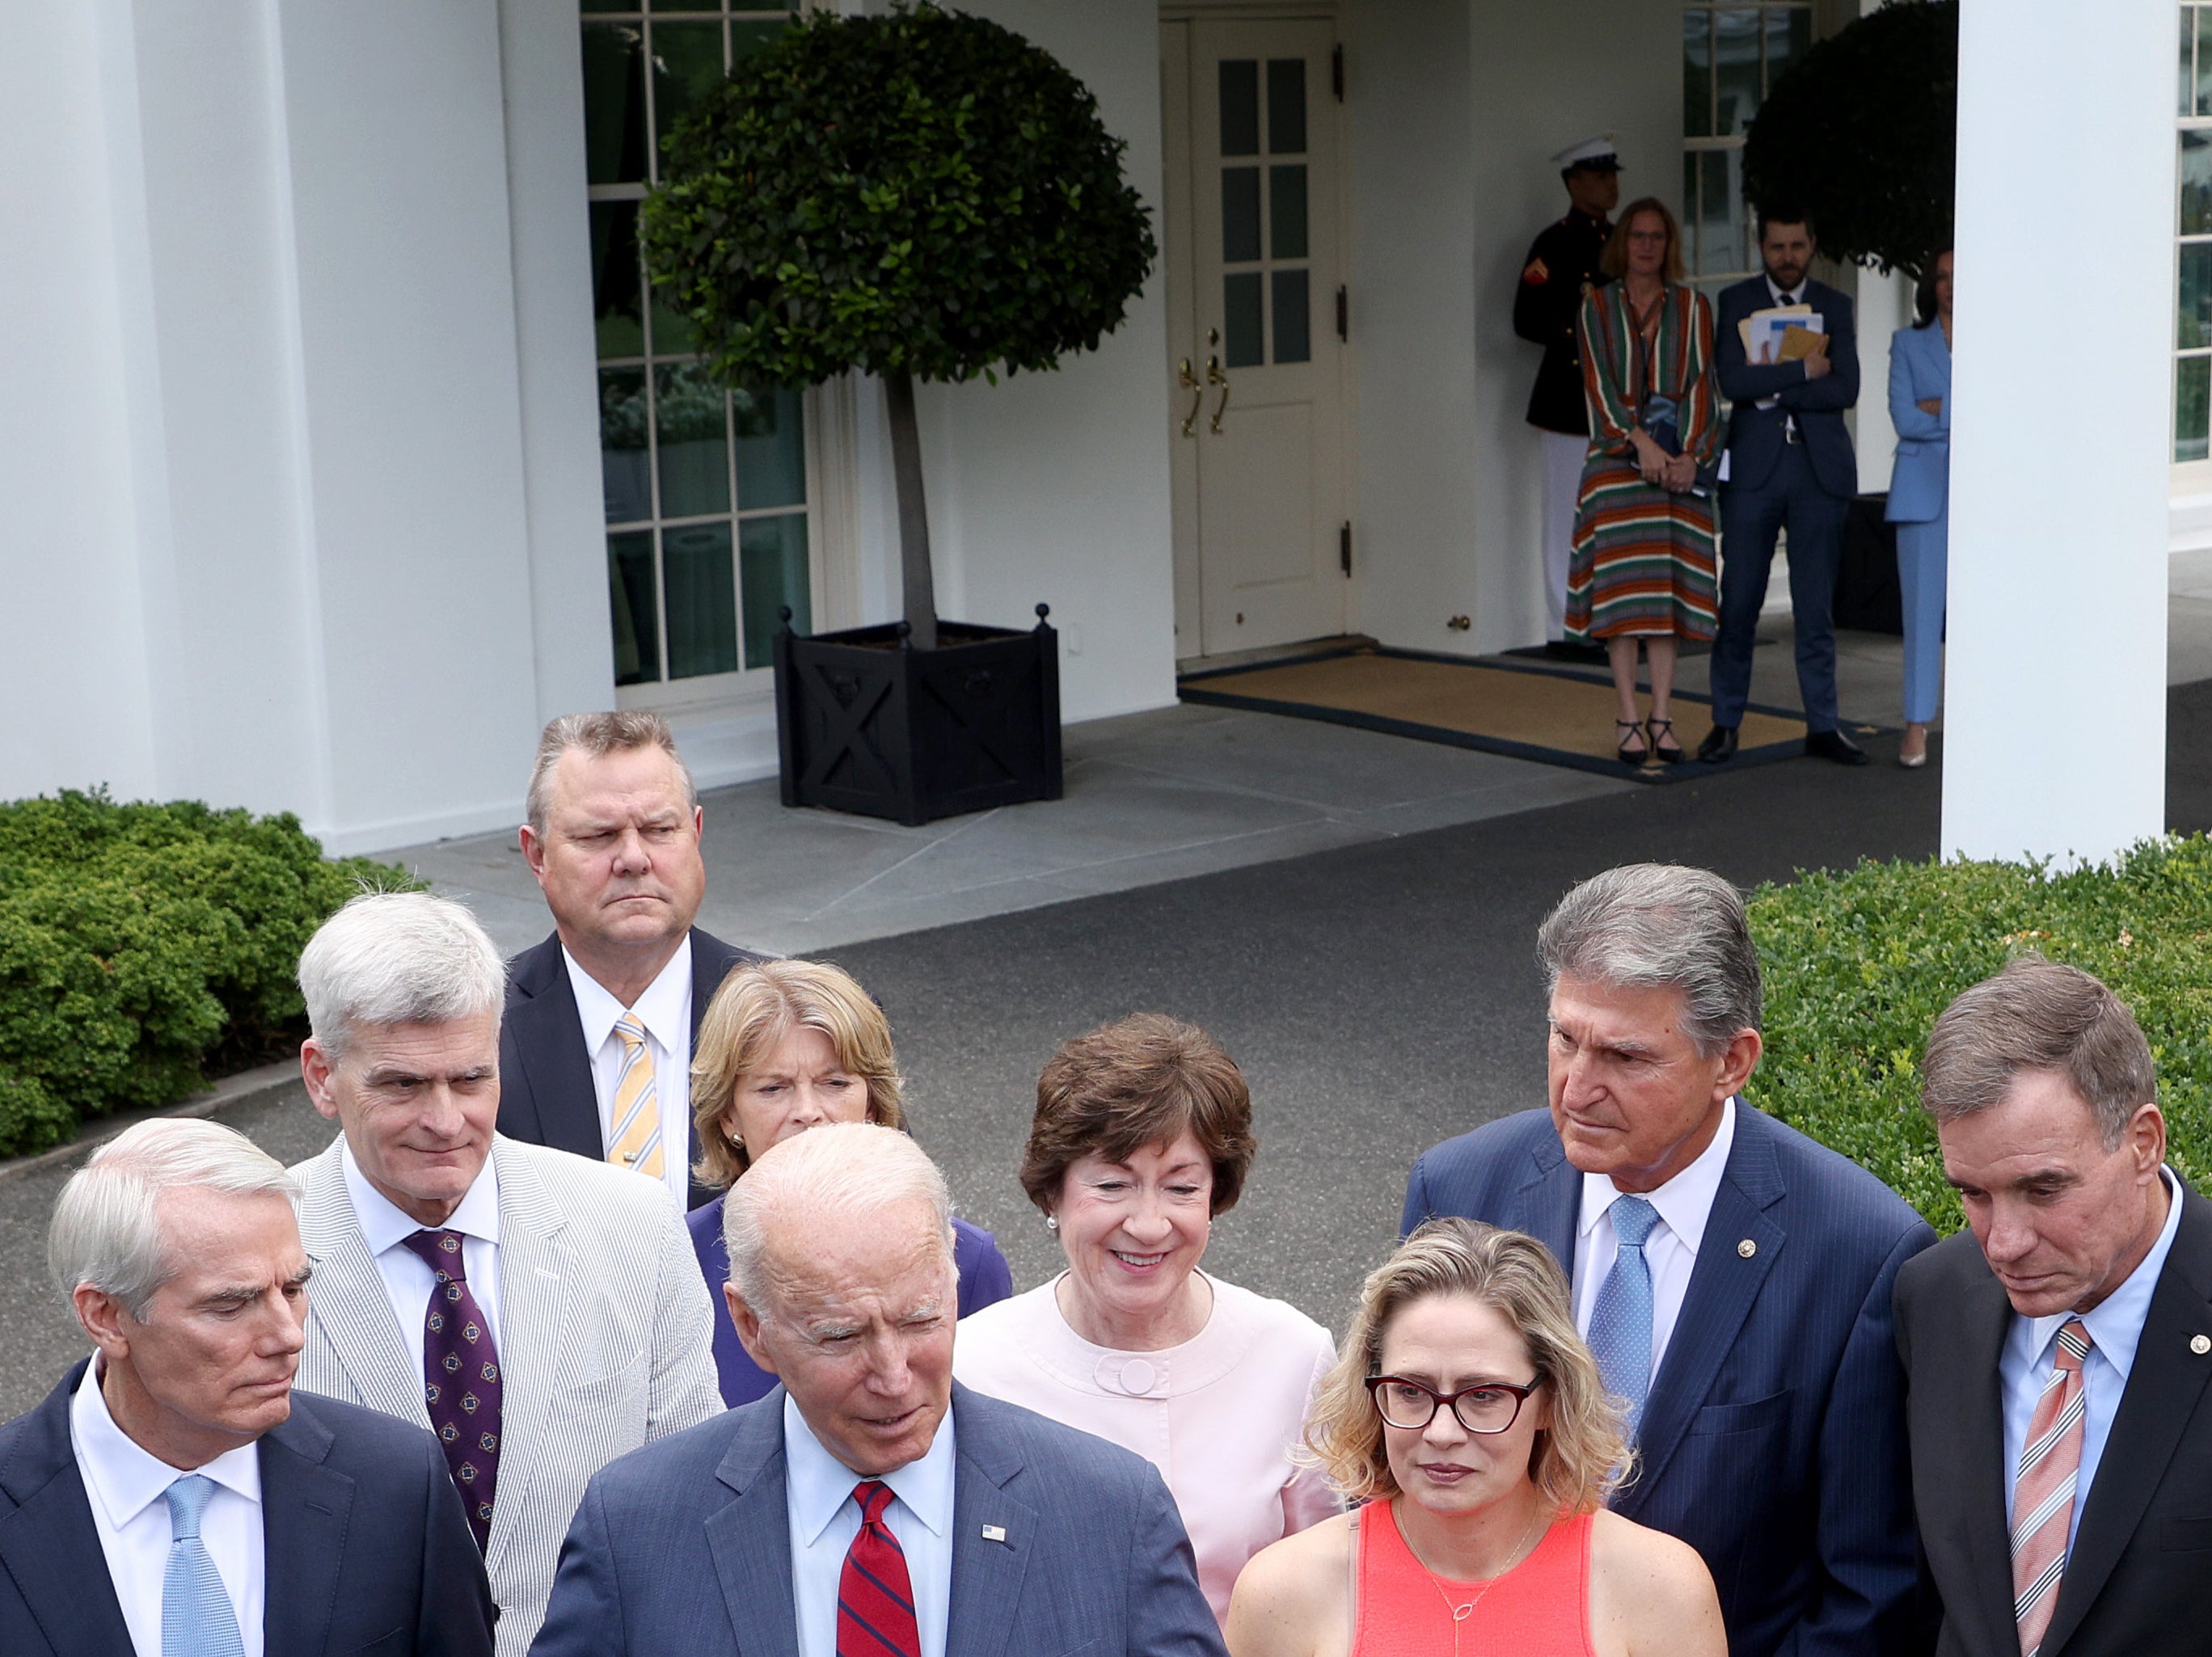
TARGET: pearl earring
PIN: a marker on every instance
(1052, 1222)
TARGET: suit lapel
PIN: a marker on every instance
(2166, 1385)
(540, 1286)
(1724, 1282)
(548, 1047)
(347, 1304)
(987, 1573)
(750, 1538)
(49, 1545)
(304, 1508)
(1548, 1203)
(1973, 1452)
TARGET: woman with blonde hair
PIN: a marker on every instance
(787, 1046)
(1467, 1419)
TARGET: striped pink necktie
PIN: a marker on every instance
(2043, 1497)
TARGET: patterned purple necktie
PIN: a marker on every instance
(460, 1378)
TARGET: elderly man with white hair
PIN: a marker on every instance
(174, 1497)
(543, 1313)
(869, 1504)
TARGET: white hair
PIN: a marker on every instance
(106, 1227)
(398, 958)
(843, 1175)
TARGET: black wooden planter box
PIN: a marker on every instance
(866, 723)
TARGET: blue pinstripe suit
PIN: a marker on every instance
(1773, 1440)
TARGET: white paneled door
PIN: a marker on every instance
(1255, 371)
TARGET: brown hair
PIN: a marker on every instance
(1576, 1462)
(1138, 1082)
(1613, 261)
(598, 734)
(758, 1005)
(2037, 1015)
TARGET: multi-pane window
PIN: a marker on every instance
(707, 500)
(2192, 319)
(1731, 57)
(1266, 253)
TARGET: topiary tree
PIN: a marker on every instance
(1861, 133)
(922, 195)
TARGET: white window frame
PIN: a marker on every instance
(2189, 476)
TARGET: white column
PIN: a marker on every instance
(2056, 689)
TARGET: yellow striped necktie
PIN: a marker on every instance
(635, 1141)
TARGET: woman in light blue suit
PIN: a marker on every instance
(1919, 495)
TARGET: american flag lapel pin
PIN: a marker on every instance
(994, 1533)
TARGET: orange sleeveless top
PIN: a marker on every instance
(1540, 1608)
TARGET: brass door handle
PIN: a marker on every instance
(1190, 383)
(1215, 377)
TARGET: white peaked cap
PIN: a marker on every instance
(1589, 152)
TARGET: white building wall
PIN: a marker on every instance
(1457, 107)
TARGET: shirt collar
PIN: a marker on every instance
(665, 1009)
(124, 1476)
(2116, 1325)
(1781, 294)
(384, 1225)
(1684, 1202)
(820, 1484)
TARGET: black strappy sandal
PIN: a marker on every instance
(1674, 756)
(1640, 756)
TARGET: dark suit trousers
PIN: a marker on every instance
(1751, 517)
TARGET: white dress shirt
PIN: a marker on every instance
(824, 1519)
(1685, 1203)
(407, 1280)
(125, 1485)
(664, 1009)
(2115, 1328)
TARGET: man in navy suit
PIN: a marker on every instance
(595, 1050)
(1732, 1276)
(174, 1496)
(868, 1503)
(1788, 461)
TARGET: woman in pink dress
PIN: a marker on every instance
(1143, 1134)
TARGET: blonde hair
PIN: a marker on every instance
(1576, 1462)
(758, 1005)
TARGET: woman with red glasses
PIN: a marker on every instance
(1467, 1419)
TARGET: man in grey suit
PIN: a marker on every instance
(542, 1313)
(869, 1504)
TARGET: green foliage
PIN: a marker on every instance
(922, 192)
(1858, 963)
(142, 946)
(1861, 133)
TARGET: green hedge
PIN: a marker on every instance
(143, 947)
(1858, 963)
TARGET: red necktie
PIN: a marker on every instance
(875, 1596)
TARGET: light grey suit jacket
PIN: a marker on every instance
(604, 1334)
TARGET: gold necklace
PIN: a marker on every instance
(1460, 1613)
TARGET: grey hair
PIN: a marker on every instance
(398, 958)
(1654, 925)
(2037, 1015)
(843, 1176)
(107, 1228)
(596, 734)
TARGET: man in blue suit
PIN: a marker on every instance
(1788, 461)
(1732, 1276)
(174, 1496)
(868, 1504)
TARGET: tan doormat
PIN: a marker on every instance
(1557, 716)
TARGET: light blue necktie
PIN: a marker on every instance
(1620, 1323)
(196, 1619)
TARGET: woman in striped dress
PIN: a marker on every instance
(1643, 564)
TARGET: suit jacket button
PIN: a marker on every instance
(2200, 1345)
(1747, 1248)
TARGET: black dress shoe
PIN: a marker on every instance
(1833, 745)
(1719, 745)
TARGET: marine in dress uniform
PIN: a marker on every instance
(1562, 266)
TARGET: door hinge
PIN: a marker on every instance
(1343, 314)
(1336, 70)
(1344, 547)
